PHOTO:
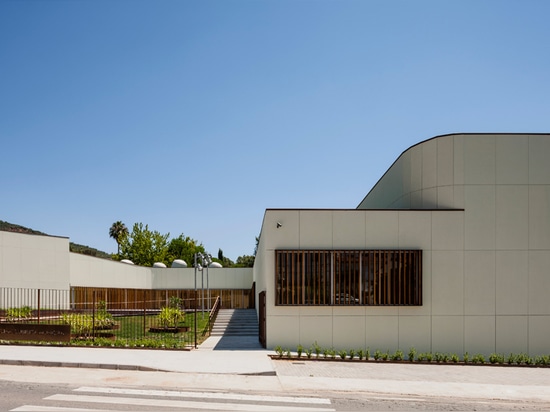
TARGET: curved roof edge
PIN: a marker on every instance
(447, 135)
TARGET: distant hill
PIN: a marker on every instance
(73, 247)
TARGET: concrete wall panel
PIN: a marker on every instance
(512, 334)
(512, 160)
(448, 334)
(479, 335)
(447, 283)
(512, 289)
(479, 282)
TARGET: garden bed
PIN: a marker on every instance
(316, 353)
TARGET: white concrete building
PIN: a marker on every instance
(449, 252)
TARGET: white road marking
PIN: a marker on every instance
(206, 395)
(183, 404)
(34, 408)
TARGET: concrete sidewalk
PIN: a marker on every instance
(253, 369)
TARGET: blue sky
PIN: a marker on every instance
(195, 116)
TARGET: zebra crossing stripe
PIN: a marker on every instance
(35, 408)
(206, 395)
(169, 403)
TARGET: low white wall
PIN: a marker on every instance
(87, 271)
(34, 261)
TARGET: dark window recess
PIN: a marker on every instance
(348, 277)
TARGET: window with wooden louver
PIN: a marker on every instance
(348, 277)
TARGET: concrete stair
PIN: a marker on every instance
(236, 322)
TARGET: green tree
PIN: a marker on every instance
(118, 231)
(144, 247)
(245, 261)
(183, 247)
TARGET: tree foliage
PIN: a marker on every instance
(183, 247)
(143, 246)
(245, 261)
(118, 231)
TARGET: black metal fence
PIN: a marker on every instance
(175, 319)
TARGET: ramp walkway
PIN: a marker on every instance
(234, 329)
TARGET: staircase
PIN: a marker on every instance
(234, 329)
(236, 322)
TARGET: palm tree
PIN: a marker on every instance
(117, 231)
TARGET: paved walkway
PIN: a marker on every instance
(253, 369)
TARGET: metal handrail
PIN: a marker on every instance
(212, 316)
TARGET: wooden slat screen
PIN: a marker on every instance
(348, 277)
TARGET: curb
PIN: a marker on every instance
(15, 362)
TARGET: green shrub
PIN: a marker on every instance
(18, 314)
(317, 349)
(412, 354)
(496, 358)
(478, 358)
(543, 360)
(377, 354)
(511, 359)
(279, 350)
(170, 317)
(299, 350)
(351, 354)
(360, 354)
(523, 358)
(466, 357)
(343, 354)
(455, 358)
(398, 355)
(309, 352)
(81, 324)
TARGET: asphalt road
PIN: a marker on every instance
(28, 388)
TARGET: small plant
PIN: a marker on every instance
(176, 302)
(367, 354)
(316, 349)
(18, 314)
(360, 354)
(309, 352)
(466, 357)
(343, 354)
(454, 358)
(543, 360)
(478, 358)
(81, 325)
(511, 359)
(288, 353)
(398, 355)
(386, 355)
(351, 354)
(326, 353)
(441, 357)
(429, 357)
(170, 317)
(496, 358)
(279, 350)
(421, 357)
(377, 355)
(332, 353)
(299, 350)
(412, 354)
